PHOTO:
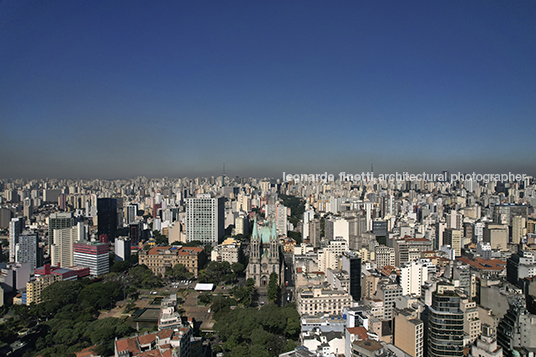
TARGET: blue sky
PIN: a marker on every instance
(125, 88)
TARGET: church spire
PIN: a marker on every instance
(255, 231)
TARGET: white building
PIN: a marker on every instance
(413, 275)
(320, 300)
(61, 250)
(204, 219)
(122, 248)
(228, 251)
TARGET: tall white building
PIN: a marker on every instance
(281, 219)
(413, 275)
(204, 219)
(61, 251)
(16, 226)
(308, 216)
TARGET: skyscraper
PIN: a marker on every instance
(93, 255)
(27, 249)
(58, 221)
(204, 219)
(107, 219)
(445, 323)
(351, 262)
(15, 229)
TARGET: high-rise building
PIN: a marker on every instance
(27, 249)
(122, 248)
(408, 331)
(58, 221)
(132, 213)
(205, 219)
(351, 262)
(445, 323)
(107, 219)
(453, 237)
(93, 255)
(519, 228)
(16, 225)
(61, 252)
(413, 275)
(517, 328)
(496, 235)
(384, 256)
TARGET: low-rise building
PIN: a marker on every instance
(230, 250)
(322, 300)
(159, 258)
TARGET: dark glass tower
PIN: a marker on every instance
(107, 219)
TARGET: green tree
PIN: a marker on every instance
(237, 268)
(273, 288)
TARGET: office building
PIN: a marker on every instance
(107, 219)
(351, 263)
(27, 249)
(58, 221)
(122, 248)
(132, 213)
(445, 323)
(453, 237)
(413, 275)
(93, 255)
(408, 331)
(229, 250)
(205, 219)
(496, 235)
(16, 225)
(61, 252)
(321, 300)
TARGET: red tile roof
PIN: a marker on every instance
(359, 332)
(147, 339)
(128, 344)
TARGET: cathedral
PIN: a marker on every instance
(265, 257)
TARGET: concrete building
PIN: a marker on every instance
(486, 345)
(384, 256)
(388, 291)
(517, 328)
(63, 242)
(205, 219)
(471, 321)
(519, 228)
(453, 237)
(409, 331)
(35, 287)
(16, 226)
(322, 300)
(230, 250)
(445, 323)
(159, 258)
(58, 221)
(93, 255)
(27, 249)
(122, 248)
(413, 275)
(496, 235)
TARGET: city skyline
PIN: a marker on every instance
(126, 89)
